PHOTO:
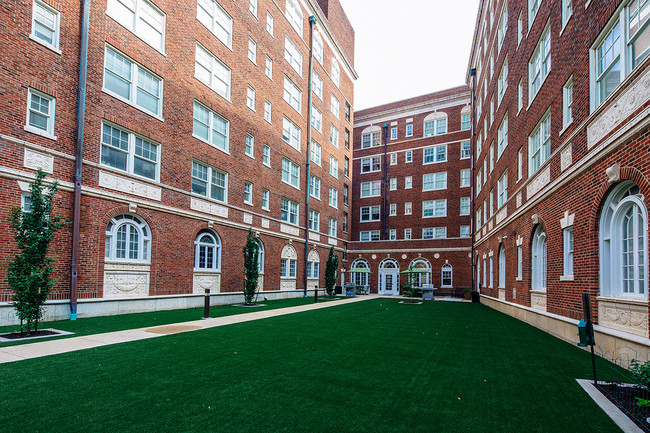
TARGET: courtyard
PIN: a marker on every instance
(375, 365)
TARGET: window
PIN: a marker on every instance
(371, 164)
(538, 266)
(265, 199)
(336, 72)
(434, 154)
(464, 232)
(465, 121)
(334, 167)
(393, 159)
(502, 267)
(210, 127)
(315, 152)
(334, 106)
(288, 268)
(250, 143)
(318, 47)
(409, 130)
(291, 133)
(520, 262)
(370, 139)
(332, 227)
(294, 15)
(407, 234)
(464, 205)
(502, 189)
(26, 202)
(435, 124)
(408, 182)
(128, 239)
(533, 7)
(446, 274)
(212, 72)
(292, 55)
(478, 182)
(207, 251)
(345, 222)
(392, 234)
(267, 111)
(434, 233)
(348, 111)
(142, 18)
(334, 136)
(540, 64)
(347, 138)
(40, 113)
(503, 27)
(393, 133)
(248, 193)
(317, 84)
(392, 209)
(288, 211)
(568, 251)
(268, 68)
(502, 136)
(491, 113)
(252, 7)
(465, 150)
(520, 163)
(292, 94)
(465, 177)
(334, 197)
(316, 119)
(290, 173)
(478, 217)
(126, 151)
(434, 181)
(371, 189)
(623, 243)
(520, 95)
(408, 208)
(269, 23)
(434, 208)
(502, 82)
(260, 256)
(346, 166)
(250, 98)
(408, 156)
(520, 28)
(266, 155)
(567, 10)
(46, 24)
(215, 18)
(252, 51)
(491, 272)
(209, 182)
(539, 144)
(345, 194)
(369, 213)
(567, 103)
(314, 220)
(314, 186)
(372, 235)
(132, 83)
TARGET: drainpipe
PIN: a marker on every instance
(384, 214)
(312, 21)
(81, 112)
(472, 73)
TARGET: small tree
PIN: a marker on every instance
(251, 267)
(30, 273)
(330, 271)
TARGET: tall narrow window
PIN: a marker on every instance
(568, 251)
(502, 267)
(540, 64)
(567, 103)
(46, 24)
(538, 265)
(215, 18)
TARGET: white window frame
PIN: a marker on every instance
(334, 136)
(336, 72)
(369, 214)
(315, 152)
(218, 72)
(267, 110)
(502, 136)
(249, 148)
(539, 65)
(317, 85)
(252, 50)
(539, 260)
(434, 181)
(435, 156)
(140, 21)
(334, 197)
(250, 98)
(130, 151)
(334, 167)
(292, 94)
(265, 199)
(434, 208)
(334, 105)
(370, 189)
(269, 23)
(465, 177)
(371, 164)
(268, 67)
(332, 227)
(39, 10)
(290, 173)
(38, 112)
(316, 119)
(465, 149)
(216, 19)
(314, 186)
(210, 182)
(539, 144)
(292, 55)
(502, 189)
(213, 243)
(211, 126)
(567, 241)
(248, 193)
(289, 211)
(464, 206)
(314, 220)
(407, 233)
(137, 226)
(266, 155)
(408, 208)
(290, 133)
(567, 103)
(294, 16)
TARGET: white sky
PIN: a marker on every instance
(408, 48)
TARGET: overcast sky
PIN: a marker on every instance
(408, 48)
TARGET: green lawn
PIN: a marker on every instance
(373, 366)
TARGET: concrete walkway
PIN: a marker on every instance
(55, 347)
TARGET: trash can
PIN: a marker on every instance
(338, 290)
(476, 297)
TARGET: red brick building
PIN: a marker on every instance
(562, 165)
(411, 194)
(195, 128)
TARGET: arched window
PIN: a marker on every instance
(538, 265)
(371, 136)
(360, 278)
(128, 238)
(435, 124)
(447, 274)
(288, 262)
(260, 256)
(420, 278)
(502, 267)
(207, 251)
(624, 243)
(313, 265)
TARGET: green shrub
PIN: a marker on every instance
(641, 372)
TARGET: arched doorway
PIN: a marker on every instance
(389, 277)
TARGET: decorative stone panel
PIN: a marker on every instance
(209, 207)
(624, 315)
(539, 182)
(502, 214)
(206, 280)
(314, 236)
(36, 160)
(285, 228)
(502, 294)
(538, 300)
(129, 186)
(126, 280)
(332, 241)
(566, 158)
(288, 284)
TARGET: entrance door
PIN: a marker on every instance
(389, 277)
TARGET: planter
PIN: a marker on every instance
(467, 296)
(350, 291)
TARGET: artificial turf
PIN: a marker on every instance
(372, 366)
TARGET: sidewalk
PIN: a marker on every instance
(55, 347)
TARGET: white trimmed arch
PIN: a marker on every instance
(359, 278)
(423, 277)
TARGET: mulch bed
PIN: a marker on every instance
(625, 398)
(28, 334)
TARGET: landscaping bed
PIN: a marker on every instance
(626, 398)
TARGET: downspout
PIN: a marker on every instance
(472, 73)
(384, 213)
(81, 113)
(312, 21)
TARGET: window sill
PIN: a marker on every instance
(566, 277)
(49, 47)
(565, 127)
(226, 151)
(567, 21)
(40, 132)
(518, 279)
